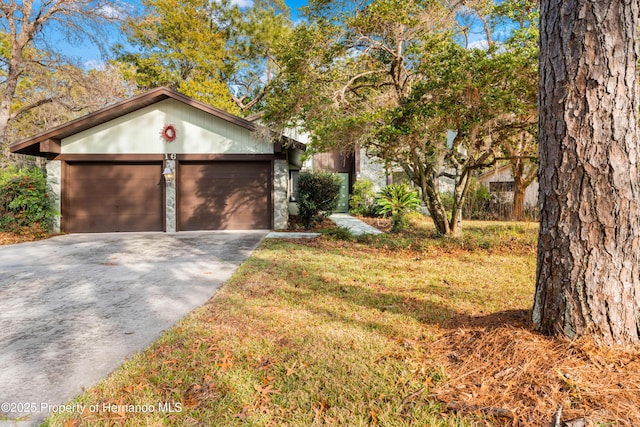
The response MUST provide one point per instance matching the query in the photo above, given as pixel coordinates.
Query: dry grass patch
(25, 234)
(390, 330)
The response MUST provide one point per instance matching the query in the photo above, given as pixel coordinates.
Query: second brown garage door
(224, 195)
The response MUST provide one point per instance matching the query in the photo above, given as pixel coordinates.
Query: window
(293, 185)
(502, 186)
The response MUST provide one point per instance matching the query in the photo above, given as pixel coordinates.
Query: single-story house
(499, 181)
(162, 161)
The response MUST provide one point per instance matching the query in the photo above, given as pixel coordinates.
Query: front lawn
(385, 330)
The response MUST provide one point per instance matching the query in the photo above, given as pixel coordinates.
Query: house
(350, 167)
(162, 161)
(499, 181)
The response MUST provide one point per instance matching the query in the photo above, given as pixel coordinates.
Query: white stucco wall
(139, 132)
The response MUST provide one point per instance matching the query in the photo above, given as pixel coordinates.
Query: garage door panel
(104, 197)
(224, 195)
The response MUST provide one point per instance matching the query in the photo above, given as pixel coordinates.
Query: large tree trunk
(588, 274)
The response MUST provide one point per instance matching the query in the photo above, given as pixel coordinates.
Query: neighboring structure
(500, 183)
(162, 161)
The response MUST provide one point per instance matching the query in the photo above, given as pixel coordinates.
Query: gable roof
(49, 140)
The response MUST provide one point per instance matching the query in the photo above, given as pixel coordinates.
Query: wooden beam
(50, 146)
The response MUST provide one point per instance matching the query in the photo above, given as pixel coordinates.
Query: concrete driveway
(74, 307)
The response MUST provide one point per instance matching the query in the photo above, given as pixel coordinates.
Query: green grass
(325, 332)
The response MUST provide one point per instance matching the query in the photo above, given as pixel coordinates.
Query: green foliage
(398, 200)
(363, 200)
(338, 233)
(211, 51)
(392, 77)
(318, 194)
(178, 46)
(476, 204)
(24, 201)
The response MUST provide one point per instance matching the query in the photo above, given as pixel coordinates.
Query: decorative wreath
(169, 133)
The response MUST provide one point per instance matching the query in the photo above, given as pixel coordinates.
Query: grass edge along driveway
(389, 330)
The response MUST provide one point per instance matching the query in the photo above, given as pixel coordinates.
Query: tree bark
(519, 193)
(588, 278)
(520, 183)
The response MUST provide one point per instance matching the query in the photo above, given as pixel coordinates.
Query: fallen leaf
(374, 418)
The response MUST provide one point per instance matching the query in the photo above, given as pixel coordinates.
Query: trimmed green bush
(24, 202)
(318, 194)
(398, 200)
(363, 200)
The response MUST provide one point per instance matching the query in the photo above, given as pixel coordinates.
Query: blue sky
(90, 57)
(294, 5)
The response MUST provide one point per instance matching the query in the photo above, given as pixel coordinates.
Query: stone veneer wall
(54, 181)
(170, 199)
(372, 169)
(280, 194)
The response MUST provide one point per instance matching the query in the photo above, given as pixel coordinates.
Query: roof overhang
(49, 142)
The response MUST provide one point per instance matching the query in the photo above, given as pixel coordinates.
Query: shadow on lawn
(520, 319)
(315, 293)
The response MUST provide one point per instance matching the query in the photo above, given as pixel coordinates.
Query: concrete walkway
(74, 307)
(290, 235)
(354, 225)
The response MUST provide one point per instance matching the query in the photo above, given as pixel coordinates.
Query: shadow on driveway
(73, 308)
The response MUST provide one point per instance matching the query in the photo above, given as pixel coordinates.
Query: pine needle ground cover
(391, 330)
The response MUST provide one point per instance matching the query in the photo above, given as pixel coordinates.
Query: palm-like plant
(397, 200)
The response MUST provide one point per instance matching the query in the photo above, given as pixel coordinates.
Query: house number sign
(170, 156)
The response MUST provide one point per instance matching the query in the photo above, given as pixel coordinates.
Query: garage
(220, 195)
(162, 161)
(110, 196)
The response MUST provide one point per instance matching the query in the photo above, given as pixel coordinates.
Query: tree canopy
(34, 73)
(210, 50)
(391, 77)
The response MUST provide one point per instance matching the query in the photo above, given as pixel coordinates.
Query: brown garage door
(224, 195)
(106, 196)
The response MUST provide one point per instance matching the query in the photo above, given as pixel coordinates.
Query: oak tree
(390, 77)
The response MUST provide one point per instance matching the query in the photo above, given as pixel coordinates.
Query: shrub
(24, 202)
(318, 194)
(363, 200)
(338, 233)
(397, 200)
(476, 204)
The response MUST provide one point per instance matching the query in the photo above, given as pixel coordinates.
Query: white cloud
(479, 44)
(113, 10)
(242, 3)
(95, 64)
